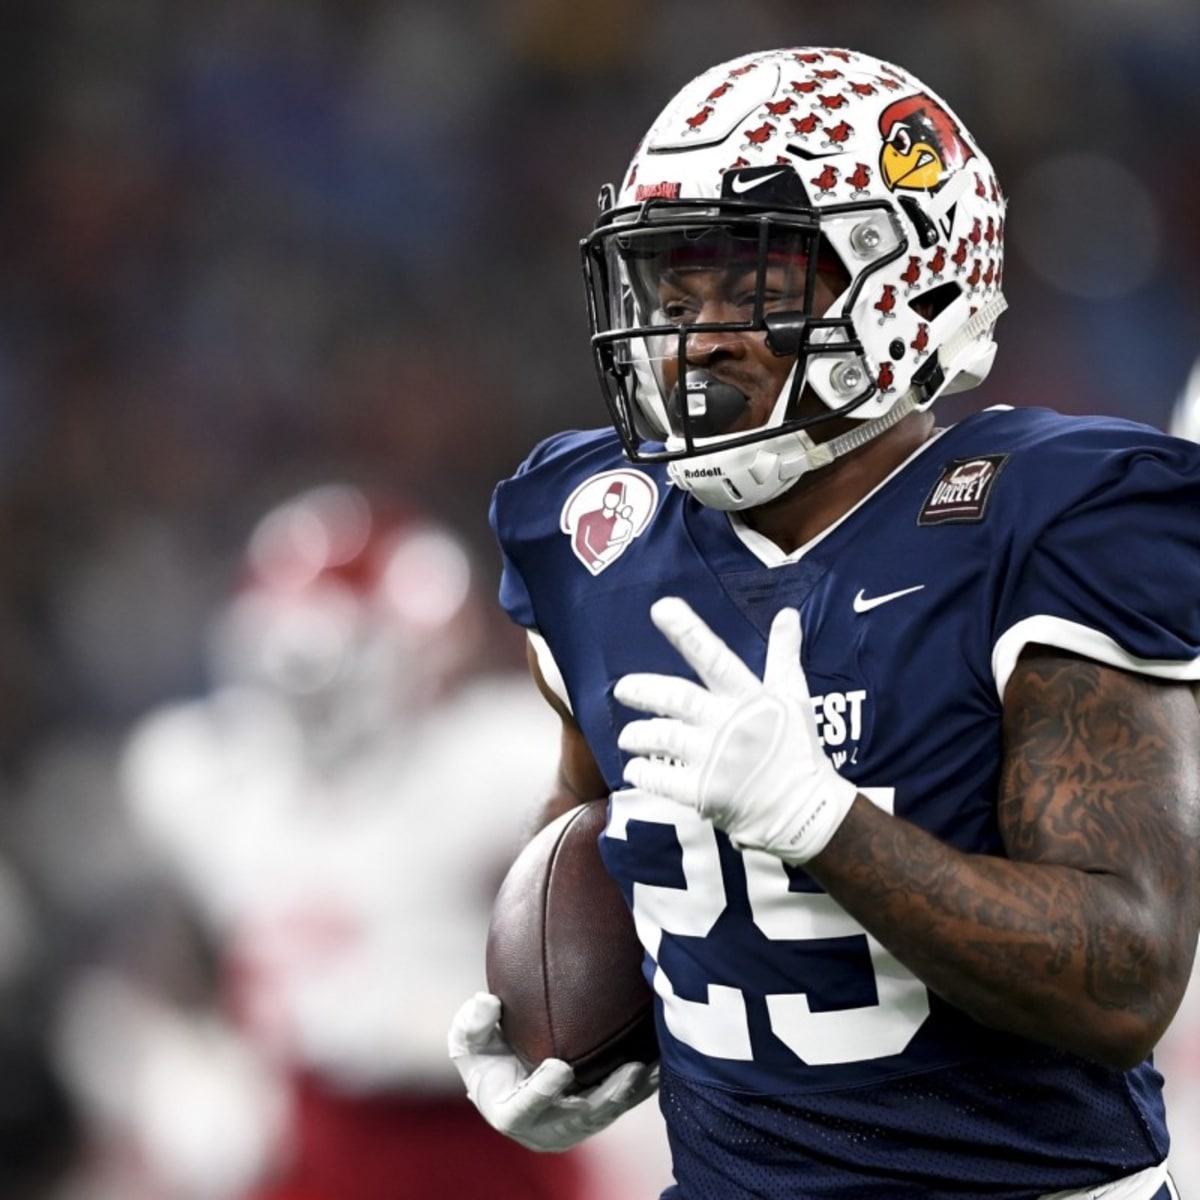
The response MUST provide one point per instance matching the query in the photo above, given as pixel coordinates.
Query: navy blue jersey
(800, 1059)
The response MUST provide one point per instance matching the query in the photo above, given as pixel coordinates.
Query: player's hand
(742, 751)
(536, 1108)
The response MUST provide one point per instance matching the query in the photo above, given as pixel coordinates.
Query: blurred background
(255, 245)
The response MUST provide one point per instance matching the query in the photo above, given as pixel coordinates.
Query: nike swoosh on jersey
(740, 185)
(864, 604)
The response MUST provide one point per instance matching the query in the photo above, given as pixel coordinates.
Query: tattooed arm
(1084, 936)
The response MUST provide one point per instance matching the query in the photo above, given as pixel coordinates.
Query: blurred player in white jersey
(341, 809)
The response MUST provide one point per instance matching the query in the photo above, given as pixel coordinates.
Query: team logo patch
(604, 514)
(962, 491)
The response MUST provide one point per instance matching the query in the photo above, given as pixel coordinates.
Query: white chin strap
(738, 477)
(745, 476)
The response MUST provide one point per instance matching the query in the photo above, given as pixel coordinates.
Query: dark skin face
(743, 359)
(702, 296)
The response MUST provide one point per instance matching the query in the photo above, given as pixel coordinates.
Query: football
(563, 956)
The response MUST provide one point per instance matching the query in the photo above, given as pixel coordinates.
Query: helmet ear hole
(931, 304)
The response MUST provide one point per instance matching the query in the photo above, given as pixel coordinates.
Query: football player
(895, 719)
(341, 849)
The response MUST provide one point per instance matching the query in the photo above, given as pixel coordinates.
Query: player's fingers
(620, 1087)
(475, 1027)
(535, 1093)
(668, 780)
(718, 667)
(664, 695)
(664, 737)
(783, 668)
(647, 1085)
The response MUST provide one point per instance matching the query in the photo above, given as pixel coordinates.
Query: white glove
(741, 751)
(536, 1108)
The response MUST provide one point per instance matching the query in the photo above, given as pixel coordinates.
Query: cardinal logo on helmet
(922, 145)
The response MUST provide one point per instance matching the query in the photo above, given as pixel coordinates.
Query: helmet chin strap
(747, 476)
(743, 477)
(806, 455)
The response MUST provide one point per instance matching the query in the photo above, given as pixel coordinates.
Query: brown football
(563, 956)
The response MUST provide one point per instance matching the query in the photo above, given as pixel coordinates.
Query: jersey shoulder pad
(562, 450)
(1052, 462)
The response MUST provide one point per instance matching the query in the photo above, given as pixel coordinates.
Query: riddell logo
(703, 473)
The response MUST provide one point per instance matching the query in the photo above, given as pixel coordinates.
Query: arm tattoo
(1096, 779)
(1084, 933)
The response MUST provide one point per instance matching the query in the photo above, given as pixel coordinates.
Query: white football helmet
(809, 156)
(352, 612)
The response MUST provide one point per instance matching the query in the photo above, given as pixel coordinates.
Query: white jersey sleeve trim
(549, 668)
(1080, 639)
(1142, 1185)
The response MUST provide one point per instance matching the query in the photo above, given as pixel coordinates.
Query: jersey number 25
(718, 1026)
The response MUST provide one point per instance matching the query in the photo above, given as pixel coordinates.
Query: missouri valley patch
(962, 491)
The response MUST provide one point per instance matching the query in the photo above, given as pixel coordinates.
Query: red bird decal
(827, 179)
(859, 179)
(806, 125)
(886, 303)
(836, 135)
